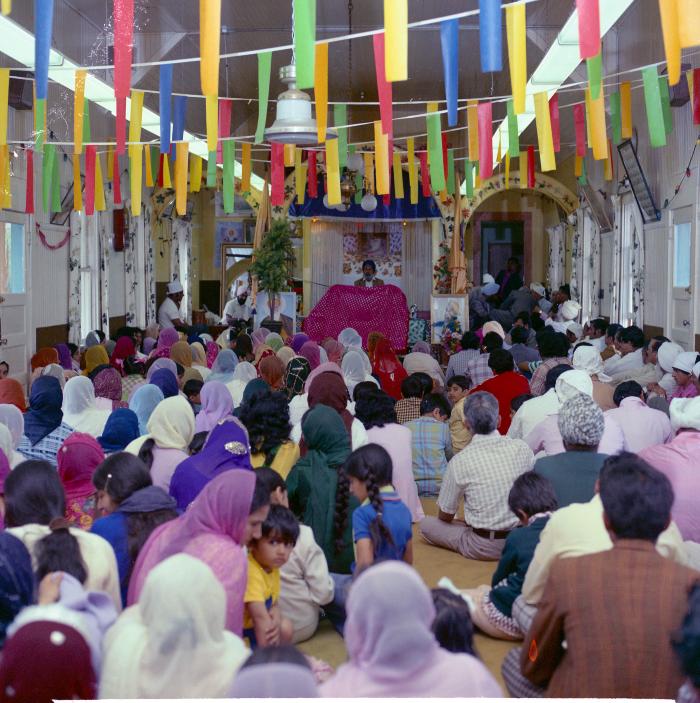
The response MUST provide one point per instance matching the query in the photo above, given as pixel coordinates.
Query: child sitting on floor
(263, 624)
(305, 582)
(452, 627)
(532, 500)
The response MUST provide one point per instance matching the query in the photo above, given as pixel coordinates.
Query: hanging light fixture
(294, 123)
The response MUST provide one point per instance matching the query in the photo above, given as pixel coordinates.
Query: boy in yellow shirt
(263, 624)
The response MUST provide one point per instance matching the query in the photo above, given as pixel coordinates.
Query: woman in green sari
(319, 490)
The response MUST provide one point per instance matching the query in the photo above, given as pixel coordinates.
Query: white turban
(545, 305)
(575, 329)
(696, 370)
(570, 310)
(490, 289)
(488, 278)
(588, 359)
(570, 383)
(667, 354)
(537, 288)
(685, 414)
(686, 361)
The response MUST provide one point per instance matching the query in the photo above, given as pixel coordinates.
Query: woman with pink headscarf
(221, 520)
(167, 338)
(312, 353)
(391, 648)
(333, 349)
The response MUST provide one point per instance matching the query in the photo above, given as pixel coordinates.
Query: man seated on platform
(169, 314)
(369, 276)
(237, 308)
(483, 473)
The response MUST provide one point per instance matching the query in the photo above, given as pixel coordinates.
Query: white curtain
(149, 266)
(104, 233)
(589, 281)
(417, 272)
(557, 249)
(615, 288)
(131, 279)
(74, 328)
(327, 256)
(638, 265)
(577, 258)
(181, 261)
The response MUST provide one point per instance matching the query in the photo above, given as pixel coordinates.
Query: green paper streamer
(55, 186)
(655, 111)
(513, 135)
(46, 174)
(211, 169)
(595, 74)
(229, 149)
(264, 66)
(305, 42)
(616, 118)
(437, 167)
(39, 109)
(155, 162)
(340, 116)
(359, 181)
(666, 104)
(451, 171)
(583, 178)
(87, 132)
(469, 178)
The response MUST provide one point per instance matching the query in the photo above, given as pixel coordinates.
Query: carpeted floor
(432, 563)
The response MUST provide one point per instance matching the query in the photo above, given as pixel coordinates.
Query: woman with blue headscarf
(122, 427)
(166, 380)
(223, 371)
(144, 402)
(16, 580)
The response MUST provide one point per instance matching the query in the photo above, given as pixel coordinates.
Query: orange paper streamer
(209, 47)
(136, 175)
(182, 152)
(626, 110)
(381, 151)
(78, 107)
(321, 91)
(596, 112)
(100, 204)
(245, 158)
(77, 185)
(398, 176)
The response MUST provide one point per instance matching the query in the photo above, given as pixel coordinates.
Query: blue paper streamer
(179, 110)
(43, 24)
(449, 39)
(164, 101)
(491, 35)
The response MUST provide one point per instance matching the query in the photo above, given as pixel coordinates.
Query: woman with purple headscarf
(217, 404)
(298, 341)
(259, 337)
(166, 339)
(219, 523)
(108, 389)
(226, 448)
(312, 353)
(64, 357)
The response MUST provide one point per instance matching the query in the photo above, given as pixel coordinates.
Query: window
(11, 258)
(682, 251)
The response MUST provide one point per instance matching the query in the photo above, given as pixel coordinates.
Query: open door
(682, 242)
(14, 333)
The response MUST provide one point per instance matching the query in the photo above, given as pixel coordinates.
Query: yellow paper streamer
(299, 180)
(4, 95)
(181, 153)
(596, 113)
(544, 132)
(608, 173)
(396, 40)
(77, 185)
(517, 54)
(135, 116)
(499, 156)
(78, 107)
(507, 178)
(369, 171)
(523, 169)
(473, 127)
(167, 182)
(477, 179)
(212, 108)
(398, 176)
(668, 9)
(100, 204)
(381, 155)
(321, 91)
(578, 166)
(688, 23)
(149, 167)
(209, 47)
(304, 175)
(333, 171)
(195, 173)
(6, 7)
(626, 110)
(412, 170)
(136, 176)
(691, 86)
(245, 158)
(289, 155)
(6, 201)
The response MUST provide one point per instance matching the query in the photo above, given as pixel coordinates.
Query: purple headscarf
(312, 353)
(298, 341)
(148, 345)
(217, 404)
(159, 364)
(64, 357)
(259, 336)
(226, 448)
(108, 384)
(421, 346)
(166, 380)
(166, 339)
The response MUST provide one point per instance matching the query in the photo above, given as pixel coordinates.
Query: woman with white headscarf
(588, 359)
(666, 355)
(224, 371)
(546, 436)
(245, 372)
(421, 360)
(12, 418)
(356, 368)
(350, 339)
(80, 409)
(173, 642)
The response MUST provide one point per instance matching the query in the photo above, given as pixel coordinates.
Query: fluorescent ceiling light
(18, 43)
(556, 66)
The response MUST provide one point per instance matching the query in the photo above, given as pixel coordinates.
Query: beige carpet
(432, 563)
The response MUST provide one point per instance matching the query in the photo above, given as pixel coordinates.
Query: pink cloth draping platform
(379, 309)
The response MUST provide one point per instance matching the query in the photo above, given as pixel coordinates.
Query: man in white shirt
(595, 331)
(630, 344)
(237, 309)
(169, 310)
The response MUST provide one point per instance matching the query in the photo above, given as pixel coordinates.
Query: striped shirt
(457, 365)
(478, 370)
(47, 447)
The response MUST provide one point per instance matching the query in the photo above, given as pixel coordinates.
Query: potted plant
(272, 263)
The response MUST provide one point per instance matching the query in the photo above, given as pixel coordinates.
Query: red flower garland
(52, 247)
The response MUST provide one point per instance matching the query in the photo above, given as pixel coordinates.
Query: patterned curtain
(104, 237)
(181, 261)
(576, 258)
(615, 279)
(594, 271)
(416, 252)
(149, 273)
(557, 251)
(638, 266)
(74, 331)
(131, 282)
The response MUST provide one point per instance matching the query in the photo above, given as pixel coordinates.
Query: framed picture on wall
(449, 317)
(285, 311)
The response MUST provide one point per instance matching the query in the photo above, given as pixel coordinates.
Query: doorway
(499, 242)
(682, 264)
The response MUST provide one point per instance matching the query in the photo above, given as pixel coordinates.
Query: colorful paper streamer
(588, 28)
(195, 173)
(148, 166)
(245, 164)
(90, 154)
(424, 173)
(100, 203)
(666, 103)
(29, 189)
(304, 42)
(165, 90)
(289, 151)
(211, 170)
(485, 118)
(276, 174)
(435, 157)
(513, 133)
(490, 35)
(43, 25)
(449, 41)
(473, 129)
(531, 167)
(384, 89)
(615, 118)
(87, 131)
(554, 118)
(299, 179)
(506, 180)
(116, 178)
(225, 109)
(668, 9)
(412, 171)
(544, 132)
(312, 174)
(4, 94)
(596, 114)
(181, 172)
(229, 154)
(608, 170)
(321, 91)
(594, 67)
(333, 168)
(469, 178)
(340, 117)
(78, 105)
(264, 67)
(396, 45)
(688, 23)
(135, 118)
(123, 46)
(578, 165)
(209, 46)
(46, 175)
(398, 176)
(179, 112)
(136, 178)
(450, 172)
(381, 151)
(626, 109)
(167, 181)
(655, 113)
(696, 96)
(6, 7)
(212, 120)
(517, 54)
